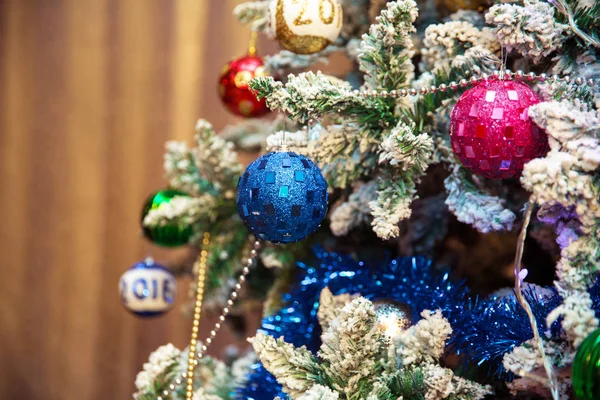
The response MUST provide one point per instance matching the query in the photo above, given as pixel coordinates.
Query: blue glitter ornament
(148, 289)
(409, 280)
(282, 197)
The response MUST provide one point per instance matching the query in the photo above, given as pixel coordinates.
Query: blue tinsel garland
(497, 325)
(410, 281)
(484, 330)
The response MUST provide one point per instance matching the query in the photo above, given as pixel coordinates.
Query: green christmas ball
(170, 234)
(586, 368)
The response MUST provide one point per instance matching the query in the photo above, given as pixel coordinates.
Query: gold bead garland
(187, 377)
(189, 389)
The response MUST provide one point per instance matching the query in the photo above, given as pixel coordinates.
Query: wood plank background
(89, 92)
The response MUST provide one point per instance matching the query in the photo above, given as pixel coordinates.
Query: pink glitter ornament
(491, 132)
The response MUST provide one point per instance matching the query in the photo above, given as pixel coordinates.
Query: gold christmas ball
(306, 26)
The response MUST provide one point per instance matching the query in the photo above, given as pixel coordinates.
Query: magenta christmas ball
(491, 132)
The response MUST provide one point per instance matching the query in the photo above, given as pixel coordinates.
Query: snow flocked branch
(213, 379)
(471, 206)
(387, 49)
(568, 176)
(358, 360)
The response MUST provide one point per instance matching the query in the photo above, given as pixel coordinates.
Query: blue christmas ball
(148, 289)
(282, 197)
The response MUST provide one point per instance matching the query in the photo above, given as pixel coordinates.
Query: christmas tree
(426, 226)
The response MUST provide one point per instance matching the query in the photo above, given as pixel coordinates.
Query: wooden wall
(89, 92)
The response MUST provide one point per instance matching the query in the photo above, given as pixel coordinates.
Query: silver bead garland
(206, 343)
(443, 87)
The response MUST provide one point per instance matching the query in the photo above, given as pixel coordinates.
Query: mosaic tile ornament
(282, 197)
(148, 289)
(234, 90)
(170, 234)
(491, 132)
(306, 26)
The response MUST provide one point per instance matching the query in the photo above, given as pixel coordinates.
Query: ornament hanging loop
(252, 44)
(284, 146)
(503, 61)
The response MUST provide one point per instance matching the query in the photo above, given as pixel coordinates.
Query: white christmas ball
(306, 26)
(148, 289)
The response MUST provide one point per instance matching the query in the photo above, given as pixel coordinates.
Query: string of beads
(193, 361)
(532, 76)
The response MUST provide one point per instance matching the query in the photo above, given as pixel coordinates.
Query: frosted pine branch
(354, 212)
(319, 392)
(471, 206)
(249, 134)
(425, 341)
(346, 153)
(295, 368)
(565, 175)
(458, 44)
(185, 210)
(159, 362)
(441, 383)
(351, 348)
(181, 171)
(531, 29)
(579, 319)
(403, 148)
(201, 394)
(330, 306)
(386, 50)
(216, 160)
(309, 96)
(394, 196)
(255, 14)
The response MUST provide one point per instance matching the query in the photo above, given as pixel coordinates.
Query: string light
(519, 277)
(391, 321)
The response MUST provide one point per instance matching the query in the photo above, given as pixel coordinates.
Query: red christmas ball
(491, 132)
(234, 90)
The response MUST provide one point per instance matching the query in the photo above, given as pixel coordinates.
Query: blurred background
(89, 92)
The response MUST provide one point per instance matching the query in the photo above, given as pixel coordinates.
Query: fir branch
(216, 160)
(585, 18)
(588, 19)
(396, 193)
(455, 43)
(530, 30)
(184, 211)
(386, 50)
(346, 153)
(472, 206)
(296, 369)
(408, 383)
(405, 149)
(311, 96)
(181, 171)
(253, 13)
(351, 350)
(225, 251)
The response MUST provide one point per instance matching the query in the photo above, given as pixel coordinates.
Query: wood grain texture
(89, 92)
